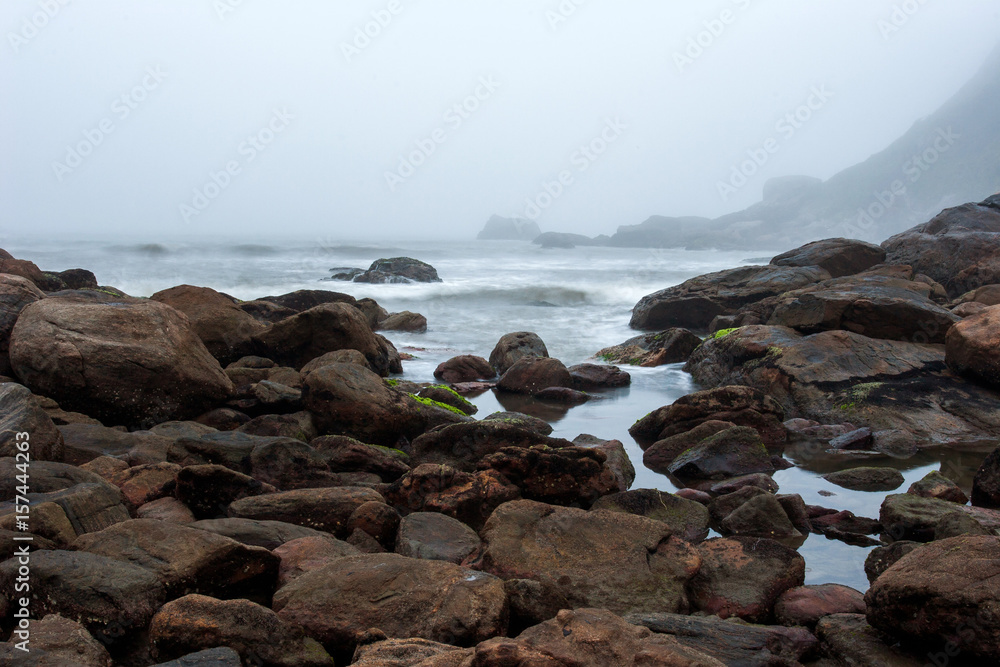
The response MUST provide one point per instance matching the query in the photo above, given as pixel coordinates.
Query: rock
(573, 476)
(306, 299)
(379, 521)
(956, 524)
(182, 429)
(15, 293)
(696, 302)
(214, 657)
(839, 257)
(723, 506)
(835, 376)
(145, 483)
(109, 597)
(196, 622)
(337, 357)
(936, 485)
(448, 396)
(735, 451)
(267, 534)
(760, 480)
(948, 590)
(514, 346)
(530, 375)
(867, 479)
(403, 652)
(345, 454)
(956, 248)
(562, 396)
(434, 536)
(761, 516)
(122, 363)
(986, 484)
(88, 507)
(687, 519)
(28, 270)
(661, 454)
(187, 560)
(871, 305)
(732, 643)
(590, 377)
(374, 313)
(57, 642)
(851, 641)
(169, 510)
(617, 458)
(349, 400)
(909, 517)
(223, 419)
(225, 328)
(48, 521)
(672, 346)
(739, 405)
(973, 347)
(299, 339)
(806, 605)
(20, 413)
(469, 497)
(399, 270)
(562, 240)
(881, 559)
(208, 490)
(610, 560)
(297, 426)
(289, 464)
(522, 420)
(588, 638)
(509, 229)
(465, 368)
(847, 527)
(968, 309)
(403, 597)
(744, 577)
(322, 509)
(463, 446)
(861, 439)
(796, 511)
(306, 554)
(404, 321)
(274, 398)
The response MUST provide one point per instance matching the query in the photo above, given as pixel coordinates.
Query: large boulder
(947, 591)
(986, 484)
(29, 270)
(958, 248)
(573, 476)
(850, 640)
(306, 554)
(743, 406)
(661, 454)
(610, 560)
(672, 346)
(837, 376)
(463, 446)
(514, 346)
(973, 347)
(26, 428)
(267, 534)
(197, 622)
(464, 368)
(322, 509)
(123, 363)
(344, 454)
(402, 597)
(905, 516)
(299, 339)
(744, 577)
(56, 642)
(399, 270)
(188, 560)
(404, 321)
(111, 598)
(531, 375)
(876, 306)
(435, 536)
(806, 605)
(840, 257)
(346, 399)
(225, 328)
(730, 453)
(686, 518)
(696, 302)
(15, 293)
(306, 299)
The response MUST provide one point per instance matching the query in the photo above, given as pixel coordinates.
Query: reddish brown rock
(806, 605)
(465, 368)
(973, 347)
(322, 509)
(572, 476)
(530, 375)
(306, 554)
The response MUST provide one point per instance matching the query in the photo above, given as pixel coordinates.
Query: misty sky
(116, 112)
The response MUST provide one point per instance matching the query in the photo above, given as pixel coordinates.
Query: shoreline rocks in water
(402, 270)
(239, 482)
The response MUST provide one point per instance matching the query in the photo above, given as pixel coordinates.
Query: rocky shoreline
(217, 482)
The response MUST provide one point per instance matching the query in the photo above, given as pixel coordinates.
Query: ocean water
(577, 300)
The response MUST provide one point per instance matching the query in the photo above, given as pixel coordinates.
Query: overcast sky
(188, 117)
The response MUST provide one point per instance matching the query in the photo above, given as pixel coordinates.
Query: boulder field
(225, 483)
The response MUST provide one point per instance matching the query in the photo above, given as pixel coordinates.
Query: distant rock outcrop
(561, 240)
(395, 270)
(509, 229)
